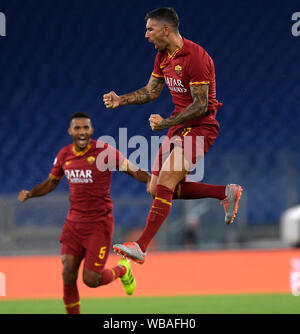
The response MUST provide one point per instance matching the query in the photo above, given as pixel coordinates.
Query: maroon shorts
(195, 141)
(91, 241)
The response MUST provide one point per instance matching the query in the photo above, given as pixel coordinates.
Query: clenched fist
(157, 122)
(23, 195)
(111, 100)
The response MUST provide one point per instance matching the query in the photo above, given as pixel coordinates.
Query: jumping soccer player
(189, 73)
(88, 229)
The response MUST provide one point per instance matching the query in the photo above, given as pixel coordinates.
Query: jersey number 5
(102, 252)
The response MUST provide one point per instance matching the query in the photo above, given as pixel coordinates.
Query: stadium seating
(61, 56)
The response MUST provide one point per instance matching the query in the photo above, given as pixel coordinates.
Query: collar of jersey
(81, 152)
(172, 55)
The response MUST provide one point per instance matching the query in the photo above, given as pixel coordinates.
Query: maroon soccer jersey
(89, 177)
(189, 66)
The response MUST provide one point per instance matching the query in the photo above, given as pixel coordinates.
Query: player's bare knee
(69, 274)
(166, 179)
(152, 187)
(170, 179)
(90, 282)
(91, 279)
(70, 268)
(152, 190)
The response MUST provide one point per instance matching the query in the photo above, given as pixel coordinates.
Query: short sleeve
(200, 69)
(57, 171)
(157, 72)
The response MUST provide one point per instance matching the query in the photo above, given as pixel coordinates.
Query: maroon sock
(109, 275)
(71, 299)
(195, 190)
(159, 211)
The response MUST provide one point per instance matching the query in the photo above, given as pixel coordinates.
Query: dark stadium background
(59, 57)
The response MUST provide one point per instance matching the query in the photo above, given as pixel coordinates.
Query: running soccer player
(87, 232)
(189, 73)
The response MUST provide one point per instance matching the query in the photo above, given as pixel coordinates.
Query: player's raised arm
(143, 95)
(40, 190)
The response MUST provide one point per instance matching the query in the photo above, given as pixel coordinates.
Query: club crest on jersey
(91, 160)
(178, 69)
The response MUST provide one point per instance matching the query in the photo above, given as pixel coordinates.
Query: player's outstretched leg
(231, 202)
(127, 279)
(131, 250)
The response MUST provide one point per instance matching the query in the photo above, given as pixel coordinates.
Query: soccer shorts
(91, 241)
(195, 142)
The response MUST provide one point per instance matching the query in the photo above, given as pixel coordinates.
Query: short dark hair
(80, 115)
(167, 14)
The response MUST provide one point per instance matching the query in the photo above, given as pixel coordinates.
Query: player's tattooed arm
(143, 95)
(40, 190)
(194, 110)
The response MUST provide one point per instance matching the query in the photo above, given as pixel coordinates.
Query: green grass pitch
(221, 304)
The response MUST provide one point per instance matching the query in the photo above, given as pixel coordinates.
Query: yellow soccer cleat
(127, 279)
